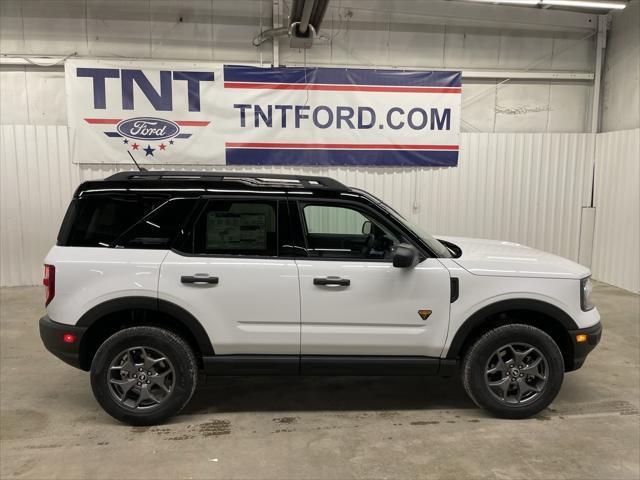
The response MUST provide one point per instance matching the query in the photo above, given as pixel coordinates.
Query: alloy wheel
(516, 373)
(141, 378)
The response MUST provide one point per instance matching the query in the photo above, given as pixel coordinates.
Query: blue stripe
(112, 134)
(183, 135)
(342, 76)
(379, 158)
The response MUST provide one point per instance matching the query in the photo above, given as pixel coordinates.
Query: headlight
(585, 293)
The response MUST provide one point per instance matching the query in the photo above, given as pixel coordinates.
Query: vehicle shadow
(240, 394)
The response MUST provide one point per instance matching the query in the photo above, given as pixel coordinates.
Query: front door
(230, 273)
(353, 300)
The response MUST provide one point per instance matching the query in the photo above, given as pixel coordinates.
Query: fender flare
(481, 315)
(181, 315)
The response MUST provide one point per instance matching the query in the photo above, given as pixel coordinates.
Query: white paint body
(89, 276)
(377, 314)
(255, 307)
(271, 306)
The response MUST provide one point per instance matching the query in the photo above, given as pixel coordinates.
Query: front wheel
(513, 371)
(143, 375)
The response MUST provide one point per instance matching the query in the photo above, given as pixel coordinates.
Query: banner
(195, 113)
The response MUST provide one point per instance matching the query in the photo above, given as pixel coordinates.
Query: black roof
(257, 179)
(219, 180)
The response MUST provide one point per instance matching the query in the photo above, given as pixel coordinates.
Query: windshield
(436, 246)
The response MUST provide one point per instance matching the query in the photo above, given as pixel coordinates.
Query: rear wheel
(143, 375)
(513, 371)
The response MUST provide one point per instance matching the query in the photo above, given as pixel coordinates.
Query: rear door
(232, 272)
(353, 300)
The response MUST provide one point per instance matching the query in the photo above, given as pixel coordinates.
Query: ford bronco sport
(160, 276)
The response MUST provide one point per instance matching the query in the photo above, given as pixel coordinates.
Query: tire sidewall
(174, 348)
(475, 365)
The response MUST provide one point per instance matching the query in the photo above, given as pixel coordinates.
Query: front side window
(236, 227)
(337, 231)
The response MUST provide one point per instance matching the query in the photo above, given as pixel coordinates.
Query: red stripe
(341, 88)
(354, 146)
(102, 120)
(182, 123)
(192, 123)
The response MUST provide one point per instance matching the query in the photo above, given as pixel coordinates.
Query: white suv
(157, 276)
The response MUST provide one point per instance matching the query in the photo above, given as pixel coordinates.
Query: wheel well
(105, 326)
(544, 322)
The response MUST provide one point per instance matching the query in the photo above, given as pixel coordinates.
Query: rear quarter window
(98, 220)
(158, 229)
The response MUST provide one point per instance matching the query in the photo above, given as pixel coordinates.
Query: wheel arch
(106, 318)
(545, 316)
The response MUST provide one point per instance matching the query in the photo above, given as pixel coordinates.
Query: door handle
(343, 282)
(199, 279)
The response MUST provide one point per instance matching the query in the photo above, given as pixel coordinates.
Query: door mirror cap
(405, 256)
(366, 228)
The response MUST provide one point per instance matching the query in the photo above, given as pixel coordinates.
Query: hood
(508, 259)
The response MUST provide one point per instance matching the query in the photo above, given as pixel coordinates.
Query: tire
(496, 386)
(143, 375)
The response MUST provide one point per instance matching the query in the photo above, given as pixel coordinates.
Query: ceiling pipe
(306, 19)
(269, 34)
(306, 15)
(319, 10)
(304, 22)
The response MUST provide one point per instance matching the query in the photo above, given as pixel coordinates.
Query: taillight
(49, 282)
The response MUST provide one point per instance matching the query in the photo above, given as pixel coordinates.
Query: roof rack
(254, 179)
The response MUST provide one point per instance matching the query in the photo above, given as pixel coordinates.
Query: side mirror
(405, 256)
(367, 227)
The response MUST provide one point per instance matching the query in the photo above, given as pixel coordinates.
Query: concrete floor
(51, 427)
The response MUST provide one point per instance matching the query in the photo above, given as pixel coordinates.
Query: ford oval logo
(148, 128)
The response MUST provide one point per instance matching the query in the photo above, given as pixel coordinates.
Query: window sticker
(236, 231)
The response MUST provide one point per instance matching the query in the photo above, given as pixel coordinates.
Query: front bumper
(53, 334)
(582, 349)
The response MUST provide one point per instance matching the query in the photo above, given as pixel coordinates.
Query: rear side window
(235, 227)
(98, 220)
(158, 229)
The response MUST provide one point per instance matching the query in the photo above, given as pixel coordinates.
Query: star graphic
(125, 141)
(134, 146)
(162, 146)
(149, 150)
(170, 142)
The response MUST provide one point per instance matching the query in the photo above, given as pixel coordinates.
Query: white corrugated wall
(616, 247)
(527, 188)
(36, 182)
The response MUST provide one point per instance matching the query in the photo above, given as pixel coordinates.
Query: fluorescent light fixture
(508, 2)
(586, 4)
(560, 3)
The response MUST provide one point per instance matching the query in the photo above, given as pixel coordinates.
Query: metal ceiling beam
(54, 61)
(601, 45)
(277, 23)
